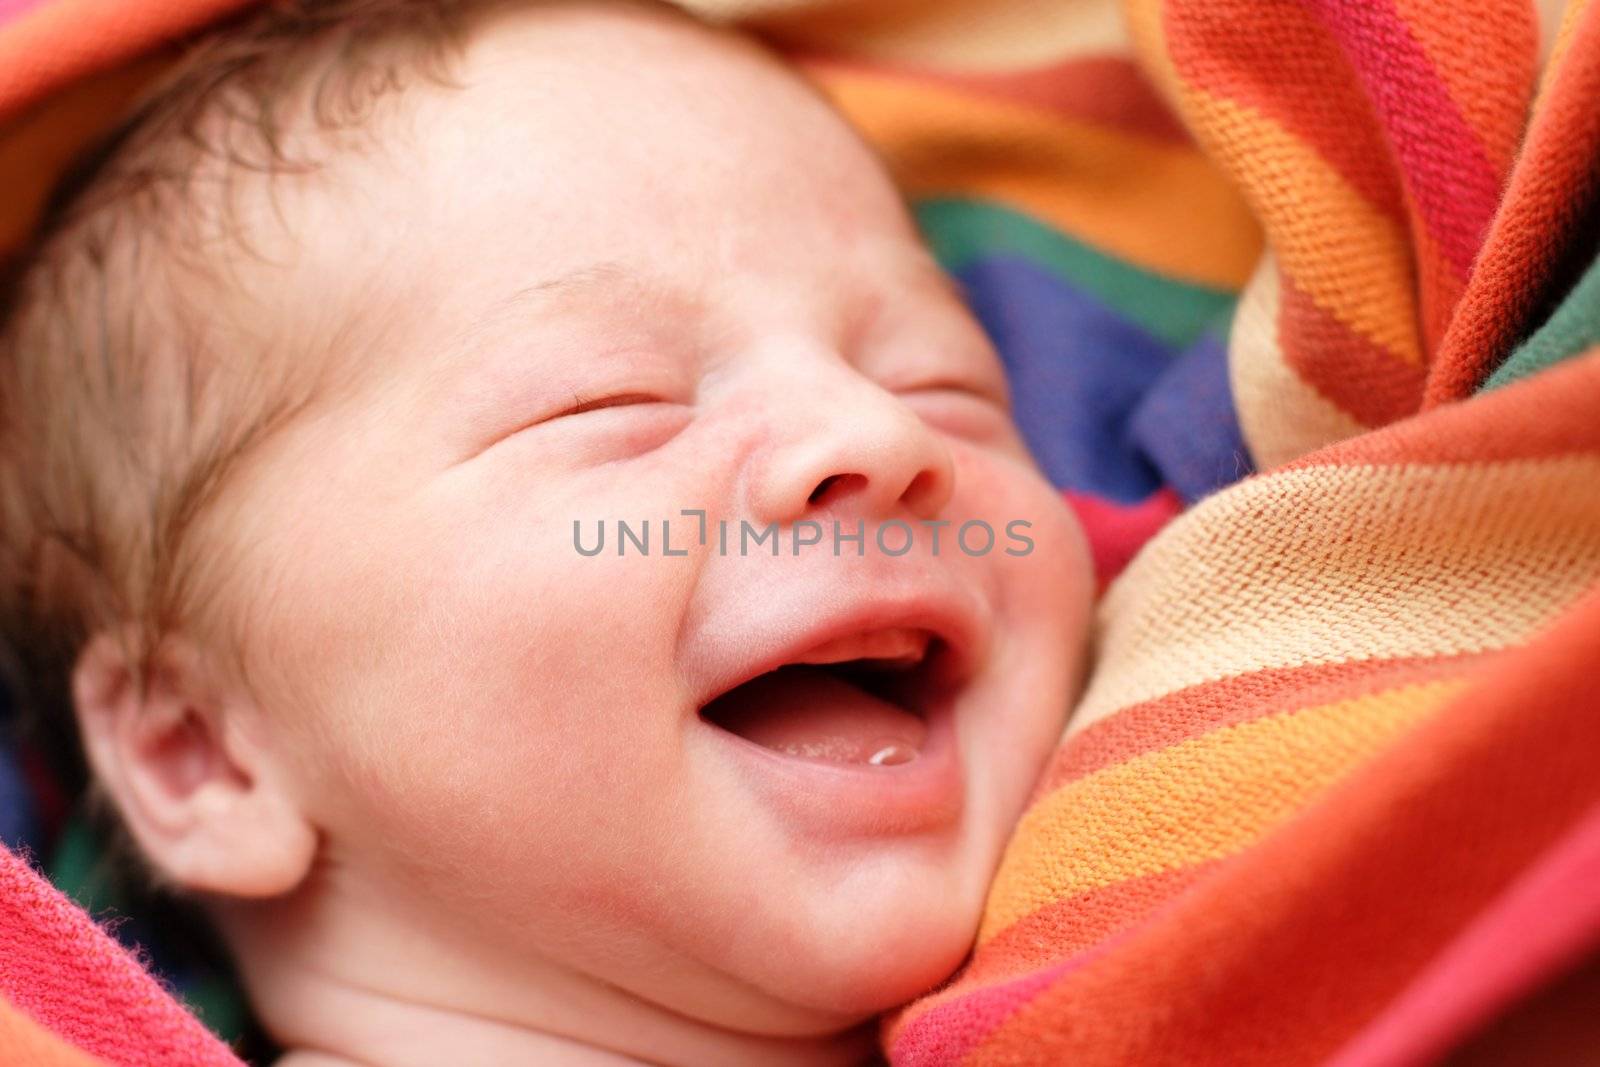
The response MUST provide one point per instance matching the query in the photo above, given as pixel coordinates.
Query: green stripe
(962, 230)
(79, 868)
(1574, 328)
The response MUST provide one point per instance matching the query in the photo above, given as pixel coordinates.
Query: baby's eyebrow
(622, 291)
(616, 301)
(570, 286)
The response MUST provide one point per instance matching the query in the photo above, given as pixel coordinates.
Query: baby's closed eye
(581, 404)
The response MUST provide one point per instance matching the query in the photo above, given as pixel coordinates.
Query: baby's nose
(850, 445)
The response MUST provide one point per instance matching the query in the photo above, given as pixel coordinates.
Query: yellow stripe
(1154, 204)
(1336, 564)
(1198, 800)
(1570, 17)
(989, 35)
(1352, 260)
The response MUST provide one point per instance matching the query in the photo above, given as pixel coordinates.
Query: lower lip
(841, 800)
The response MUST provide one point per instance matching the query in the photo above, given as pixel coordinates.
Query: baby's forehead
(560, 160)
(541, 166)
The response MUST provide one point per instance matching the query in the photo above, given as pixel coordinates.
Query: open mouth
(860, 699)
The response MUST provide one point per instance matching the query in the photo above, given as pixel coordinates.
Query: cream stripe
(1334, 564)
(1281, 416)
(1143, 18)
(1198, 800)
(1553, 47)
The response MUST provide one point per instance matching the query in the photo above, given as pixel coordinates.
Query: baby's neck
(330, 1000)
(355, 1028)
(396, 1034)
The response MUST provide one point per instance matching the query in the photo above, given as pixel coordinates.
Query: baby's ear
(186, 764)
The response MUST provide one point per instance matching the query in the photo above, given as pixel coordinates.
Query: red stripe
(1450, 179)
(1360, 378)
(1545, 211)
(1549, 414)
(1065, 928)
(1546, 924)
(941, 1033)
(1266, 70)
(1201, 709)
(70, 39)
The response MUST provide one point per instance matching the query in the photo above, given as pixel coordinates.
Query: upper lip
(951, 620)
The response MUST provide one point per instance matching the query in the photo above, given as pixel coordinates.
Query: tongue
(805, 711)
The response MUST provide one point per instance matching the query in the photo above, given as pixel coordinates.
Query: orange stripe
(1263, 72)
(1346, 253)
(1192, 802)
(1108, 91)
(1537, 223)
(1157, 205)
(1057, 932)
(1280, 415)
(1439, 285)
(1200, 709)
(1483, 53)
(1571, 15)
(1067, 927)
(1146, 30)
(1546, 415)
(973, 35)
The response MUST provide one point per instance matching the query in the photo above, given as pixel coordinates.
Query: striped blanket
(1331, 792)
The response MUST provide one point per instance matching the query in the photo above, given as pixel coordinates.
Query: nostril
(927, 491)
(833, 484)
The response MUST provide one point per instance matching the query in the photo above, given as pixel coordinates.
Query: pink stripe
(1448, 173)
(10, 9)
(62, 970)
(1541, 926)
(1116, 531)
(946, 1033)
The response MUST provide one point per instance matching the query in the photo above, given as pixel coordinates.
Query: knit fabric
(1331, 790)
(1336, 755)
(60, 969)
(24, 1041)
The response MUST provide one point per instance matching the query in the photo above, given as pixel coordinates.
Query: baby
(318, 397)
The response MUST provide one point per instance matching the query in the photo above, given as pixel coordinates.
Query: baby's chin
(886, 937)
(881, 973)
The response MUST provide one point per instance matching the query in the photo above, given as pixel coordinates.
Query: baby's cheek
(1042, 587)
(526, 813)
(1038, 562)
(1047, 596)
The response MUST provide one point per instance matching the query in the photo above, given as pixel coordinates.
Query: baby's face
(622, 270)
